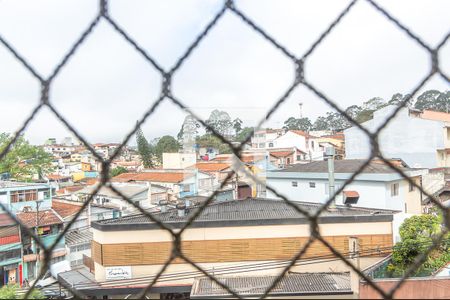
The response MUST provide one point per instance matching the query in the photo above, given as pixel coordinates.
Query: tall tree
(434, 100)
(237, 125)
(244, 133)
(336, 121)
(117, 171)
(145, 149)
(220, 121)
(23, 160)
(166, 144)
(298, 124)
(321, 123)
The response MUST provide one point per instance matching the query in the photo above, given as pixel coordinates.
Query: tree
(298, 124)
(23, 160)
(10, 292)
(321, 123)
(336, 121)
(416, 235)
(166, 144)
(237, 125)
(117, 171)
(220, 121)
(212, 141)
(434, 100)
(244, 133)
(144, 148)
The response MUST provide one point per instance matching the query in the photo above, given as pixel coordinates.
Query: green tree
(336, 121)
(434, 100)
(210, 140)
(244, 133)
(145, 149)
(416, 235)
(166, 144)
(298, 124)
(23, 160)
(321, 123)
(117, 171)
(10, 292)
(220, 121)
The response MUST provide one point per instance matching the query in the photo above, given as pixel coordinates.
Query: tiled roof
(46, 218)
(341, 166)
(211, 167)
(293, 284)
(6, 220)
(69, 189)
(173, 177)
(65, 209)
(56, 177)
(281, 153)
(435, 115)
(351, 194)
(301, 132)
(247, 210)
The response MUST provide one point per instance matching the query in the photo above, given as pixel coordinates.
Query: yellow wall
(77, 176)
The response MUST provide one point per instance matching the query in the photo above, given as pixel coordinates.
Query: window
(412, 188)
(312, 185)
(288, 161)
(294, 183)
(186, 188)
(299, 157)
(394, 189)
(270, 144)
(261, 145)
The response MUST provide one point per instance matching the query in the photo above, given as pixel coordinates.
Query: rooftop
(78, 236)
(65, 209)
(127, 189)
(155, 176)
(211, 167)
(17, 184)
(45, 218)
(248, 212)
(294, 284)
(343, 166)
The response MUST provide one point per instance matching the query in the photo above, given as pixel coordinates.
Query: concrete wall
(412, 139)
(290, 139)
(373, 194)
(178, 160)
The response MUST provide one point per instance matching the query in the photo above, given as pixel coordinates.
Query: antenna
(300, 104)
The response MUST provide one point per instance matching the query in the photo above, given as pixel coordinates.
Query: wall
(290, 139)
(373, 194)
(291, 232)
(412, 139)
(178, 160)
(417, 288)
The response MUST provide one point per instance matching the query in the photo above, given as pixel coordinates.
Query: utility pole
(38, 254)
(329, 154)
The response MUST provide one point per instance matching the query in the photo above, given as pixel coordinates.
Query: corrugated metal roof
(248, 209)
(80, 236)
(291, 284)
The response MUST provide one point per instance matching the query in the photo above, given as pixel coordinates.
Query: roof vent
(181, 208)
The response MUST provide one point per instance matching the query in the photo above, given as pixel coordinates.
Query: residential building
(16, 196)
(11, 267)
(48, 225)
(78, 244)
(232, 235)
(263, 139)
(178, 160)
(377, 186)
(420, 138)
(181, 183)
(146, 195)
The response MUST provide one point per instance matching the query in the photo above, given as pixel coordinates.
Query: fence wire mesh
(167, 94)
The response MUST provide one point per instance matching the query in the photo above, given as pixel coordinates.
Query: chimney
(181, 208)
(163, 204)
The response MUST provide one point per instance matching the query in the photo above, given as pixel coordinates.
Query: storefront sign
(118, 273)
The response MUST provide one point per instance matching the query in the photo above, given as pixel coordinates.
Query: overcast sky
(107, 85)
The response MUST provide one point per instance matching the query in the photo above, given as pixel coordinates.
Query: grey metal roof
(128, 189)
(342, 166)
(78, 236)
(17, 184)
(294, 284)
(255, 211)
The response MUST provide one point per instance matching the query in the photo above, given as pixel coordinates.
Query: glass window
(412, 188)
(294, 183)
(394, 189)
(312, 184)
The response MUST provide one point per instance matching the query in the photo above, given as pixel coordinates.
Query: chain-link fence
(166, 94)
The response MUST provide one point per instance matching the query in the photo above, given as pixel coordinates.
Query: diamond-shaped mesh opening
(168, 94)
